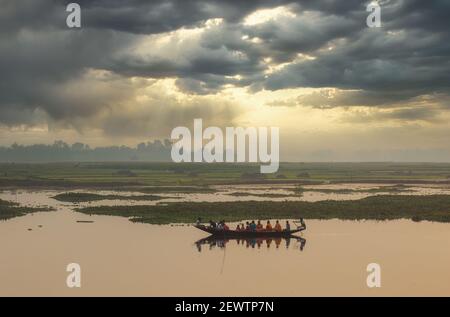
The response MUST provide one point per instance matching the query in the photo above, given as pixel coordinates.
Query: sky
(337, 89)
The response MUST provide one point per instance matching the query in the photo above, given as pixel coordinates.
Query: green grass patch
(382, 189)
(176, 189)
(383, 207)
(89, 197)
(10, 210)
(263, 195)
(127, 174)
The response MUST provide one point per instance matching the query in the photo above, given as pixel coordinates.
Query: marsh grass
(89, 197)
(381, 189)
(10, 210)
(262, 195)
(383, 207)
(176, 189)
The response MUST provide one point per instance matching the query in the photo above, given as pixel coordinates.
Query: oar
(223, 259)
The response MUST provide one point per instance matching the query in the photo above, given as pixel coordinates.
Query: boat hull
(247, 234)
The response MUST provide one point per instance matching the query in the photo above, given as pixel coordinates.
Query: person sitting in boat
(277, 226)
(221, 225)
(253, 226)
(288, 226)
(269, 226)
(225, 227)
(238, 227)
(259, 226)
(212, 224)
(247, 226)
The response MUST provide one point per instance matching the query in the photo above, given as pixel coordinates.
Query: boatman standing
(288, 226)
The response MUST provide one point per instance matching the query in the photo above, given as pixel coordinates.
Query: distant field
(170, 174)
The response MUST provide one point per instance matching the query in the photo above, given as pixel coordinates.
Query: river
(118, 257)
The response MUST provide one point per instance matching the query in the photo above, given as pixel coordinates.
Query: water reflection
(212, 242)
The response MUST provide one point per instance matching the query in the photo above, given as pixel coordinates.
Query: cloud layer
(137, 68)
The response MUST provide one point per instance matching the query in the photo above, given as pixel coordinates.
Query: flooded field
(230, 193)
(118, 257)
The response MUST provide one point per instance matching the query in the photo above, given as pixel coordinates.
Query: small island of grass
(10, 210)
(383, 207)
(90, 197)
(400, 188)
(262, 195)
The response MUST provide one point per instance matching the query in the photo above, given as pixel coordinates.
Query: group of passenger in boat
(251, 226)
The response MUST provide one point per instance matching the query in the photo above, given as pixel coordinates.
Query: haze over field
(338, 90)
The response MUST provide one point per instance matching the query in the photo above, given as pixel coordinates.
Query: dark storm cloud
(130, 16)
(143, 16)
(45, 70)
(42, 61)
(407, 57)
(45, 66)
(373, 63)
(426, 15)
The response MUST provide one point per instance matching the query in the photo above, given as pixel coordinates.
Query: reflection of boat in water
(256, 242)
(251, 234)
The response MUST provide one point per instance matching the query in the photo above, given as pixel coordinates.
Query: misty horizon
(159, 151)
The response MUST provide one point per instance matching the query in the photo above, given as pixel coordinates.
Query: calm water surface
(118, 257)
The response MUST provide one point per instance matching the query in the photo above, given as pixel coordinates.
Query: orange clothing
(269, 227)
(277, 227)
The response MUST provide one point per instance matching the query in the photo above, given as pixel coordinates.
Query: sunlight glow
(266, 15)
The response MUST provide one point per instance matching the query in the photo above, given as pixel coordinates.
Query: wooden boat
(213, 239)
(249, 234)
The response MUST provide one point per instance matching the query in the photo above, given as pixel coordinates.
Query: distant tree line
(155, 151)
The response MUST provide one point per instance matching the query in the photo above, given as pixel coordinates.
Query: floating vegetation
(89, 197)
(263, 195)
(381, 189)
(176, 189)
(10, 210)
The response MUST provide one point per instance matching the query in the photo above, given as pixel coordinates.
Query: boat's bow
(204, 228)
